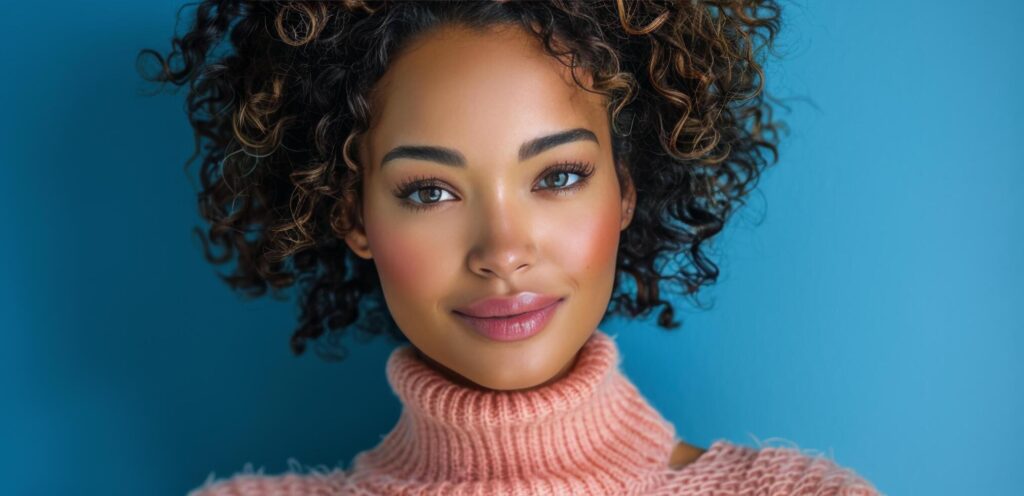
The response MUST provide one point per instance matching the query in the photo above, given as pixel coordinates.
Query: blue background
(867, 308)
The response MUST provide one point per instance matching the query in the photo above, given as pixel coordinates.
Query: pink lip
(525, 316)
(506, 307)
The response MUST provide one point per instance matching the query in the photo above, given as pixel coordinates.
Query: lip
(510, 319)
(507, 306)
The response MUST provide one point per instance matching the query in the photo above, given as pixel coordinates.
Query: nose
(505, 241)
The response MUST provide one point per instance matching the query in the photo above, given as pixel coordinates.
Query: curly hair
(684, 82)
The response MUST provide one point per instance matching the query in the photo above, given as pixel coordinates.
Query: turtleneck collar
(590, 431)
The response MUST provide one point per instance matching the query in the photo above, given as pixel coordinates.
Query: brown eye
(420, 193)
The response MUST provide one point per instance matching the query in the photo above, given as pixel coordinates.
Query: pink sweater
(591, 433)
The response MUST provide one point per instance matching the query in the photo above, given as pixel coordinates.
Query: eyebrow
(450, 157)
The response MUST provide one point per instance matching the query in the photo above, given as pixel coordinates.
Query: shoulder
(777, 469)
(318, 481)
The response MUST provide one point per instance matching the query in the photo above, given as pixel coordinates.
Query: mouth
(513, 327)
(507, 306)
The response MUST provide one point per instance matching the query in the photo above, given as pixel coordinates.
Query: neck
(589, 425)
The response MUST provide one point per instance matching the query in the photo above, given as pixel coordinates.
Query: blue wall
(866, 309)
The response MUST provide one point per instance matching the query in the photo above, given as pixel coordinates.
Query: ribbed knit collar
(590, 432)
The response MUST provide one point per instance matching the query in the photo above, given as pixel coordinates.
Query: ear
(356, 240)
(628, 199)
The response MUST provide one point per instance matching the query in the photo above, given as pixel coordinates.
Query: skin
(496, 226)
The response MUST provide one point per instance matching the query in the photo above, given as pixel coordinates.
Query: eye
(562, 174)
(562, 179)
(425, 192)
(421, 193)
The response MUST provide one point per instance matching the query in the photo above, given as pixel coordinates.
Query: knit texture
(591, 432)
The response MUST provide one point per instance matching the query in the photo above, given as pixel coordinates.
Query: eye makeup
(423, 183)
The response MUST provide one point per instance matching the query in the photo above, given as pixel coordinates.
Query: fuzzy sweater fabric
(589, 433)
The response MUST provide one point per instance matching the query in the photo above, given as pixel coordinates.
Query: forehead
(491, 89)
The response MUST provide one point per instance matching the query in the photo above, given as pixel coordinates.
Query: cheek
(410, 258)
(588, 248)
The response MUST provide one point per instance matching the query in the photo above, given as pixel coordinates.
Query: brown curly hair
(691, 124)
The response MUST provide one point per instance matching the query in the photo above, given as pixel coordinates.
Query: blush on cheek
(400, 259)
(411, 260)
(589, 248)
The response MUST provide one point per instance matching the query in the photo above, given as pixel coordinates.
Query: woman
(480, 175)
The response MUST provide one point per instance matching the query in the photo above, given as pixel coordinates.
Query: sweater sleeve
(777, 470)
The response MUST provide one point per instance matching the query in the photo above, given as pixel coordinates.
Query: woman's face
(492, 220)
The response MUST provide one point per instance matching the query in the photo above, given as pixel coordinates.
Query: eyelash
(415, 184)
